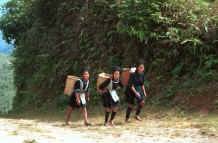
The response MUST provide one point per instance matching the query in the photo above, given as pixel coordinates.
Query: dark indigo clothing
(77, 86)
(137, 81)
(115, 84)
(79, 89)
(106, 97)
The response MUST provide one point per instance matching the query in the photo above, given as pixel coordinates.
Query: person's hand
(138, 95)
(142, 102)
(78, 101)
(145, 94)
(111, 76)
(88, 99)
(103, 91)
(118, 88)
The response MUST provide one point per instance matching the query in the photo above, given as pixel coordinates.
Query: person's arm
(121, 84)
(87, 93)
(143, 88)
(134, 91)
(102, 87)
(131, 84)
(77, 91)
(77, 98)
(87, 96)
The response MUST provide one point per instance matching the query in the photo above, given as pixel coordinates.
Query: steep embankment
(176, 39)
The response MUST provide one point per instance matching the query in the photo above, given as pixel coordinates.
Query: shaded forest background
(177, 39)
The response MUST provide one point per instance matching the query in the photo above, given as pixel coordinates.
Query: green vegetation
(176, 38)
(7, 90)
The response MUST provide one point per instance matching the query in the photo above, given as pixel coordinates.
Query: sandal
(138, 118)
(88, 124)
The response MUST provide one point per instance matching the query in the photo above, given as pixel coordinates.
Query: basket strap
(81, 85)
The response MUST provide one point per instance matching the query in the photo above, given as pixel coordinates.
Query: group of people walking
(134, 92)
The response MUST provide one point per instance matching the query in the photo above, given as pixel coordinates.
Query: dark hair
(85, 70)
(117, 68)
(140, 62)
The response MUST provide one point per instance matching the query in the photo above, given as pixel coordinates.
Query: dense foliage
(53, 39)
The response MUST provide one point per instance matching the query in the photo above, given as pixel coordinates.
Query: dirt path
(148, 131)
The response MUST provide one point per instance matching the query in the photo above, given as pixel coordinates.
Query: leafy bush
(174, 37)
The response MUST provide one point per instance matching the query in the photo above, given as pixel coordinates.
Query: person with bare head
(135, 90)
(109, 95)
(80, 97)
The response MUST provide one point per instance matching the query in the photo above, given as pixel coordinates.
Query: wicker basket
(126, 75)
(69, 86)
(101, 78)
(118, 1)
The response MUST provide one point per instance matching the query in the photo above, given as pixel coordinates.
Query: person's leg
(114, 111)
(130, 100)
(141, 103)
(128, 111)
(69, 111)
(85, 117)
(107, 114)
